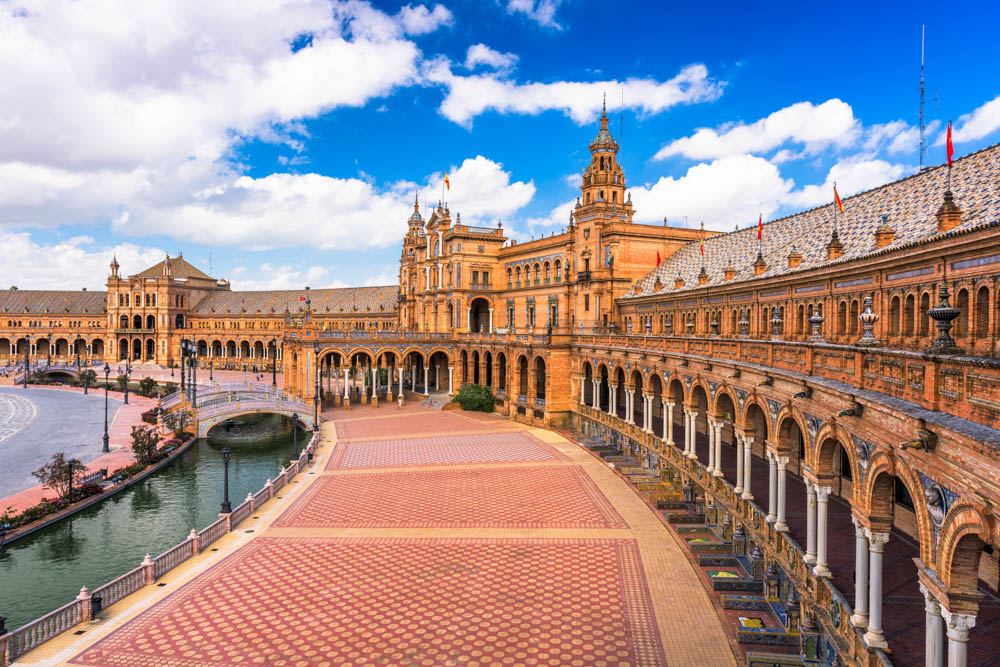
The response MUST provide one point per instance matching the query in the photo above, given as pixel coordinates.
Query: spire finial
(416, 201)
(604, 112)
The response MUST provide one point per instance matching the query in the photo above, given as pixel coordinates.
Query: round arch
(878, 496)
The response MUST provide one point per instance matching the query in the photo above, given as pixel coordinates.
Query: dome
(604, 137)
(415, 216)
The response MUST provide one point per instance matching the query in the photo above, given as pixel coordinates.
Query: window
(531, 315)
(475, 278)
(586, 302)
(486, 278)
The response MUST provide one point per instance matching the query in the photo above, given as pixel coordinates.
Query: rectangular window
(486, 278)
(586, 302)
(475, 278)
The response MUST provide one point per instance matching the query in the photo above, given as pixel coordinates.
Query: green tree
(58, 472)
(13, 288)
(122, 380)
(169, 388)
(144, 443)
(89, 377)
(475, 397)
(177, 421)
(147, 386)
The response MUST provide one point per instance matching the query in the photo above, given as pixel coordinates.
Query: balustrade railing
(39, 631)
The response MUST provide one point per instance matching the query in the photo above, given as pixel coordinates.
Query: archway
(488, 365)
(604, 390)
(479, 315)
(699, 404)
(123, 349)
(501, 372)
(638, 404)
(539, 378)
(725, 412)
(522, 372)
(438, 376)
(475, 367)
(620, 409)
(656, 390)
(150, 349)
(587, 389)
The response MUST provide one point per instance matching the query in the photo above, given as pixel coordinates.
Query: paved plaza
(410, 550)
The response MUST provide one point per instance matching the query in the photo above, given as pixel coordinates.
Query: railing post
(229, 521)
(253, 507)
(194, 543)
(148, 577)
(84, 599)
(3, 649)
(270, 489)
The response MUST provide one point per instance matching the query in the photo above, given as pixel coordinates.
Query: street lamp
(183, 366)
(76, 346)
(316, 394)
(274, 363)
(27, 360)
(107, 371)
(69, 471)
(4, 527)
(295, 435)
(226, 507)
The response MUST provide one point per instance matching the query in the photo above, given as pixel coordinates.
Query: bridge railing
(31, 635)
(251, 403)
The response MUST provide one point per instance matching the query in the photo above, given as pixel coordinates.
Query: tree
(169, 388)
(475, 397)
(177, 421)
(13, 288)
(58, 472)
(144, 442)
(88, 377)
(146, 386)
(122, 381)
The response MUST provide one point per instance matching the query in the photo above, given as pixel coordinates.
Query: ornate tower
(603, 188)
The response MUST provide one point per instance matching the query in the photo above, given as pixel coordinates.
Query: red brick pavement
(391, 601)
(420, 422)
(492, 448)
(538, 497)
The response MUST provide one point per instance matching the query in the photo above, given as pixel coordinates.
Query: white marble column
(668, 423)
(772, 488)
(413, 376)
(647, 413)
(780, 524)
(739, 463)
(629, 412)
(692, 431)
(747, 462)
(400, 382)
(859, 618)
(958, 627)
(822, 568)
(347, 389)
(612, 401)
(583, 390)
(711, 446)
(874, 637)
(491, 320)
(451, 380)
(426, 381)
(933, 630)
(596, 397)
(810, 557)
(718, 449)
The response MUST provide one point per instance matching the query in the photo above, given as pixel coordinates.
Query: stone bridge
(217, 403)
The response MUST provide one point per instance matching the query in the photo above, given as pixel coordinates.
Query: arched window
(510, 277)
(908, 315)
(538, 273)
(894, 316)
(854, 317)
(519, 276)
(558, 271)
(983, 311)
(842, 318)
(925, 320)
(150, 322)
(962, 322)
(548, 269)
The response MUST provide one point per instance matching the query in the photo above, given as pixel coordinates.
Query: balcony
(583, 276)
(135, 332)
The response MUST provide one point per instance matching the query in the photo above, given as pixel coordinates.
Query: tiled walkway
(532, 553)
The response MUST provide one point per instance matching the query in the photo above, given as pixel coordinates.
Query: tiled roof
(910, 203)
(53, 302)
(179, 268)
(334, 301)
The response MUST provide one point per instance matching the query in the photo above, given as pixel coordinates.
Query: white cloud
(419, 20)
(727, 191)
(75, 263)
(975, 125)
(542, 12)
(469, 96)
(481, 191)
(287, 276)
(852, 175)
(816, 127)
(480, 54)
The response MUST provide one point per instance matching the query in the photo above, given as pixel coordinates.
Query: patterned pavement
(476, 498)
(495, 448)
(16, 414)
(532, 554)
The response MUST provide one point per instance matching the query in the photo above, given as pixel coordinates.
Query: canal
(46, 569)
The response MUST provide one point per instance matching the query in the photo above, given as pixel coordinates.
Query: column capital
(782, 462)
(876, 541)
(931, 604)
(669, 404)
(958, 625)
(822, 493)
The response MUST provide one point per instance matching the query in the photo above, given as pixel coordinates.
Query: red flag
(760, 227)
(657, 257)
(302, 298)
(951, 148)
(702, 246)
(836, 199)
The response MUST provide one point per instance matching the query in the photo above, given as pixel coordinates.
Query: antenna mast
(923, 29)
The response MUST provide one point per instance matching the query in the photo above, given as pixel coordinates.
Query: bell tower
(603, 187)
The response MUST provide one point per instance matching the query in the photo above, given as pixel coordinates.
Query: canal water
(46, 569)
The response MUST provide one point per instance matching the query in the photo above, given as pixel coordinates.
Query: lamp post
(27, 359)
(183, 366)
(316, 394)
(226, 507)
(274, 363)
(295, 435)
(4, 527)
(107, 372)
(194, 373)
(76, 346)
(128, 367)
(69, 472)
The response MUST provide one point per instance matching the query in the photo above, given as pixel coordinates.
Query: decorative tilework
(490, 448)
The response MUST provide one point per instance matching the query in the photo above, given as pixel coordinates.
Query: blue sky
(286, 139)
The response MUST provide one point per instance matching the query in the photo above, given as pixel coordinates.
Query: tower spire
(604, 112)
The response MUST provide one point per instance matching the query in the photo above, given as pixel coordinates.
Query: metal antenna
(923, 30)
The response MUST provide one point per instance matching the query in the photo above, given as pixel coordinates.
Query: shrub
(122, 381)
(177, 421)
(169, 388)
(147, 386)
(149, 416)
(475, 397)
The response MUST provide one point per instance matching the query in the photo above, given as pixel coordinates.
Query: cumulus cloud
(542, 12)
(469, 96)
(75, 263)
(815, 127)
(975, 125)
(727, 191)
(286, 276)
(419, 20)
(851, 175)
(480, 54)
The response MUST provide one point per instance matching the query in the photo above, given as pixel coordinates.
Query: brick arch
(962, 537)
(832, 432)
(754, 400)
(793, 413)
(630, 378)
(883, 463)
(434, 350)
(695, 384)
(727, 391)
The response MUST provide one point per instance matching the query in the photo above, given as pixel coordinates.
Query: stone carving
(741, 397)
(864, 451)
(812, 425)
(775, 408)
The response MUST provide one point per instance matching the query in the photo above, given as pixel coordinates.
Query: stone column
(596, 398)
(451, 378)
(780, 524)
(691, 433)
(934, 630)
(747, 463)
(860, 617)
(958, 629)
(491, 320)
(647, 411)
(711, 446)
(413, 376)
(874, 637)
(426, 380)
(668, 423)
(347, 387)
(612, 400)
(400, 380)
(810, 557)
(739, 463)
(822, 568)
(718, 449)
(583, 389)
(437, 376)
(772, 488)
(629, 412)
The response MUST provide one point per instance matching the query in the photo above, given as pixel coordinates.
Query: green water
(46, 569)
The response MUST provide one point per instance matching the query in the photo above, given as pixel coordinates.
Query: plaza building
(824, 401)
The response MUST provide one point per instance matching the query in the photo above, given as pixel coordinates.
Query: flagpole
(835, 207)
